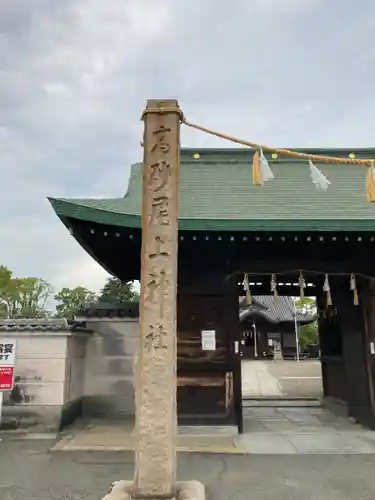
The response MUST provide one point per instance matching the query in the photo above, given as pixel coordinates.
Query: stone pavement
(302, 430)
(267, 430)
(258, 381)
(281, 379)
(29, 472)
(119, 436)
(303, 379)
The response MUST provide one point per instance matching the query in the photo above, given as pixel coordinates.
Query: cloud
(75, 75)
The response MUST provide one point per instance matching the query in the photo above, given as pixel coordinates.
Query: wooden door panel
(197, 313)
(205, 380)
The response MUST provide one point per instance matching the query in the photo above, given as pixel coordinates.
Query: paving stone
(267, 443)
(321, 443)
(266, 430)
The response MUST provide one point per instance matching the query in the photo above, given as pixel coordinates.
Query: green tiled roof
(217, 193)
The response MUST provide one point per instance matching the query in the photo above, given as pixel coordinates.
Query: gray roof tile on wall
(38, 325)
(101, 309)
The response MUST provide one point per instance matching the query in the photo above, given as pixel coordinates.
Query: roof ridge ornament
(353, 288)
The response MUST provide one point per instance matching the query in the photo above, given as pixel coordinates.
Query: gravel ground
(29, 472)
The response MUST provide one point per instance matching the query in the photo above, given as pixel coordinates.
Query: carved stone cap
(161, 106)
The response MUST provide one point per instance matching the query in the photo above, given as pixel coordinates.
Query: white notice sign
(7, 352)
(208, 340)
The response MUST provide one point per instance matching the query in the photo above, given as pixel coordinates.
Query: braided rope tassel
(370, 183)
(257, 177)
(353, 288)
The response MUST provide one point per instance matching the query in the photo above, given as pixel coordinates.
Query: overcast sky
(75, 76)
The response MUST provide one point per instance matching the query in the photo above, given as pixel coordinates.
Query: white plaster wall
(38, 396)
(109, 387)
(75, 367)
(40, 369)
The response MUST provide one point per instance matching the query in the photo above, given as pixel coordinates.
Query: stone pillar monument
(156, 417)
(155, 370)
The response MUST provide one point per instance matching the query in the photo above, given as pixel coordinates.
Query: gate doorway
(334, 379)
(280, 349)
(336, 374)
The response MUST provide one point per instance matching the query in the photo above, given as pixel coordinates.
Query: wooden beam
(156, 419)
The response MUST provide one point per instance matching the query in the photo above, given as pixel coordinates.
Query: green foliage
(23, 297)
(70, 300)
(117, 291)
(308, 335)
(307, 306)
(27, 297)
(5, 278)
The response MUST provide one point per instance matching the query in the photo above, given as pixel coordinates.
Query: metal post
(296, 330)
(255, 340)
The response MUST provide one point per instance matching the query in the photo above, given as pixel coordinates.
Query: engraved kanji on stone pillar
(156, 420)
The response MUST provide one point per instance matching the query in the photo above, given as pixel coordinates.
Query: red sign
(6, 378)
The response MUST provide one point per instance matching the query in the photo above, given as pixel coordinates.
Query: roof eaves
(71, 209)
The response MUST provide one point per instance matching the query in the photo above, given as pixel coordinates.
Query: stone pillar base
(186, 490)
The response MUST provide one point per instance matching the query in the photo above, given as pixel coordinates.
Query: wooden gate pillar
(354, 347)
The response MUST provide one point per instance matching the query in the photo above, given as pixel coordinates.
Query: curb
(179, 449)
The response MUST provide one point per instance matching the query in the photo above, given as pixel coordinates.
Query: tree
(30, 298)
(308, 335)
(5, 279)
(70, 300)
(116, 291)
(23, 297)
(306, 305)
